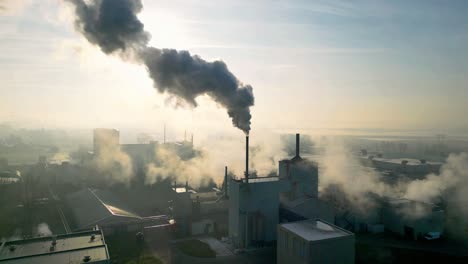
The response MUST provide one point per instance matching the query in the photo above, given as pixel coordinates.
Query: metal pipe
(297, 144)
(247, 159)
(225, 181)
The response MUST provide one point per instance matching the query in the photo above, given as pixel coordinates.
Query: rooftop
(259, 179)
(69, 248)
(410, 162)
(92, 206)
(403, 202)
(315, 230)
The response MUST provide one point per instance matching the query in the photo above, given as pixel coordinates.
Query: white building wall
(292, 248)
(253, 212)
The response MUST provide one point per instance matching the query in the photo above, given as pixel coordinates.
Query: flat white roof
(315, 230)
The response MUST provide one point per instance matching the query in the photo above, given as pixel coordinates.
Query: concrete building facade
(314, 241)
(254, 210)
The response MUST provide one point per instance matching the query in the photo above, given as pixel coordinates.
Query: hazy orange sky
(312, 64)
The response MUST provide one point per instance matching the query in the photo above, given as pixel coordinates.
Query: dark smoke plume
(113, 25)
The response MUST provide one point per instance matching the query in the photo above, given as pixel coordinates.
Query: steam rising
(43, 230)
(113, 25)
(113, 162)
(340, 168)
(453, 173)
(209, 163)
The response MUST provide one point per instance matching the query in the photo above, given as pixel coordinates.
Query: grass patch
(145, 259)
(196, 248)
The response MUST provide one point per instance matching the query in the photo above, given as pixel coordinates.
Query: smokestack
(225, 181)
(114, 26)
(298, 145)
(247, 159)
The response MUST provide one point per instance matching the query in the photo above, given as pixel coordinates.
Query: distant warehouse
(82, 247)
(409, 166)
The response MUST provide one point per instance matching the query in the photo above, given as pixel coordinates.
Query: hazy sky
(313, 64)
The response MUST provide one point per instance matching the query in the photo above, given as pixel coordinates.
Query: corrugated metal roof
(92, 206)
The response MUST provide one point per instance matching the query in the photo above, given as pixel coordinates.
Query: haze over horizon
(372, 65)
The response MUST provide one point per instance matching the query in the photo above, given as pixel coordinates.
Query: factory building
(254, 203)
(300, 200)
(7, 177)
(412, 219)
(302, 175)
(403, 165)
(199, 213)
(108, 139)
(314, 241)
(82, 247)
(96, 207)
(140, 153)
(254, 210)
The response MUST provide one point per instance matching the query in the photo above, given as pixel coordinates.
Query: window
(302, 250)
(286, 244)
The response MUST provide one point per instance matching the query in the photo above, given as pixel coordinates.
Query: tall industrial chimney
(247, 159)
(225, 181)
(298, 145)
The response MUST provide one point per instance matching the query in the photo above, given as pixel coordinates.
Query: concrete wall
(338, 250)
(253, 212)
(292, 248)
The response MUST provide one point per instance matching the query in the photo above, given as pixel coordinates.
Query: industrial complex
(281, 217)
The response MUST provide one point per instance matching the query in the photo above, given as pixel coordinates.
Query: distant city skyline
(313, 64)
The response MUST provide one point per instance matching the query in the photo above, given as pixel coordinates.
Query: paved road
(60, 212)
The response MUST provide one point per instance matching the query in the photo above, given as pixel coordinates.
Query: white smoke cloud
(339, 166)
(112, 161)
(43, 230)
(217, 152)
(452, 173)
